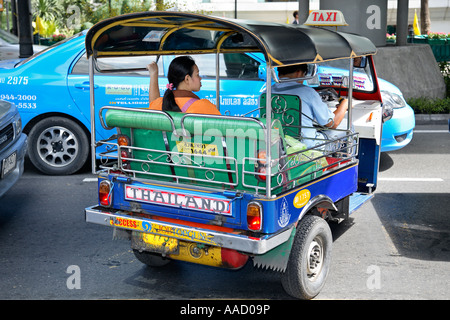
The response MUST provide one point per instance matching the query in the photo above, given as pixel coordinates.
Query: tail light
(104, 193)
(260, 165)
(254, 216)
(124, 141)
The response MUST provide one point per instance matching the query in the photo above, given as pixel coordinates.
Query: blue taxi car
(51, 90)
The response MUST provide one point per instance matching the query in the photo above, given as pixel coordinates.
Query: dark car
(13, 146)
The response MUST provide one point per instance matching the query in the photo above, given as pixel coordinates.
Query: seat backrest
(287, 109)
(205, 150)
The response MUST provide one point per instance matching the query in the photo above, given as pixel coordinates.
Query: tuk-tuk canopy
(163, 33)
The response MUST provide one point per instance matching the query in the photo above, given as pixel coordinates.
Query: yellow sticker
(302, 198)
(197, 148)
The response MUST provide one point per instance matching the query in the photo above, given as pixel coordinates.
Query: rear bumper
(239, 242)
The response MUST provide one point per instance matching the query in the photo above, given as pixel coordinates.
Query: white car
(9, 46)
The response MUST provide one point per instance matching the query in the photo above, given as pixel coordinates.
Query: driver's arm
(339, 114)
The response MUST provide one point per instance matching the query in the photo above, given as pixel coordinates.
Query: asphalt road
(395, 247)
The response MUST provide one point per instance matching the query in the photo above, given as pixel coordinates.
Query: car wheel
(309, 260)
(58, 146)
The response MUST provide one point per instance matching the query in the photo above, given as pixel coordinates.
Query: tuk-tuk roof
(162, 33)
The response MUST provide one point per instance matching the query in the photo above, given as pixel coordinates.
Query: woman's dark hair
(178, 69)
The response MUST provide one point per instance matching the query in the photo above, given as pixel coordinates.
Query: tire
(151, 259)
(58, 146)
(313, 242)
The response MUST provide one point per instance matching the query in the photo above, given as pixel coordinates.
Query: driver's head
(290, 70)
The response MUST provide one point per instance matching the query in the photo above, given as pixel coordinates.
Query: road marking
(412, 179)
(90, 180)
(430, 131)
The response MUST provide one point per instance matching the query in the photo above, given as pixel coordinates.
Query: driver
(314, 110)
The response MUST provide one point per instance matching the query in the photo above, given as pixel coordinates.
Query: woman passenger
(184, 80)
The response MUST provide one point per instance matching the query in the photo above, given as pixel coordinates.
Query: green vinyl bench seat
(212, 151)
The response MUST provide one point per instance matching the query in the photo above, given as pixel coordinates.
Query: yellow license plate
(156, 243)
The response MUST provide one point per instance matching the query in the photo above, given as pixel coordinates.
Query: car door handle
(84, 85)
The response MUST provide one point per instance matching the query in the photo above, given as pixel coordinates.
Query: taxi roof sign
(333, 18)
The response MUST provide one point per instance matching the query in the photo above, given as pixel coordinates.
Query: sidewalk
(432, 118)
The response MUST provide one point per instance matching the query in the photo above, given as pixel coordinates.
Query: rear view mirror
(360, 62)
(312, 70)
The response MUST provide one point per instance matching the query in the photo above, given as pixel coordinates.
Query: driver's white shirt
(312, 106)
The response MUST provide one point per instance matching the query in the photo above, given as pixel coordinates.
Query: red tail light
(124, 141)
(124, 154)
(262, 174)
(254, 216)
(104, 193)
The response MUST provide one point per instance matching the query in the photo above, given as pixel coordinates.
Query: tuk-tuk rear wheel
(309, 260)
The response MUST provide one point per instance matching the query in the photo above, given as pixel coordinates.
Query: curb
(432, 118)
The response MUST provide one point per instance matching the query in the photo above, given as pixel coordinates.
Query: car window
(117, 65)
(232, 66)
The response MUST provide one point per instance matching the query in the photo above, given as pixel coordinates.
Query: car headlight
(394, 100)
(17, 124)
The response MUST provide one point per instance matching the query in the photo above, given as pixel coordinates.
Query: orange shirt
(201, 106)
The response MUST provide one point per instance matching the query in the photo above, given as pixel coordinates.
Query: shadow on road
(415, 226)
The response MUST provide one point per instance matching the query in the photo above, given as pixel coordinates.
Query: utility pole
(14, 17)
(425, 22)
(402, 22)
(25, 29)
(303, 11)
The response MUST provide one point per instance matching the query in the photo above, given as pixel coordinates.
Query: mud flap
(277, 258)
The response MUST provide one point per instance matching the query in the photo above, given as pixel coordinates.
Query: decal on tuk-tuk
(179, 200)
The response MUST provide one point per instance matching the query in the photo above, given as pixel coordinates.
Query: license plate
(157, 243)
(9, 164)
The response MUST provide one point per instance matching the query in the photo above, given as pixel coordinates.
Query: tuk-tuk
(221, 190)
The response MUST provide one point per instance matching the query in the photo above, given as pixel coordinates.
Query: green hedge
(433, 106)
(430, 106)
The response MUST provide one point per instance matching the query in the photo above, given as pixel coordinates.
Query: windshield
(335, 73)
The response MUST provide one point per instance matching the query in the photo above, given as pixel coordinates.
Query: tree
(47, 10)
(424, 17)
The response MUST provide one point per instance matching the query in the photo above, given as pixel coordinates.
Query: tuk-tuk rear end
(223, 190)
